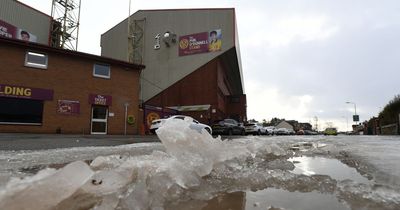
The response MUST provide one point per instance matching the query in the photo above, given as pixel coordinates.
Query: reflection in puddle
(280, 199)
(232, 201)
(275, 199)
(326, 166)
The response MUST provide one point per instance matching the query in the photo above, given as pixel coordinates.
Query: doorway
(99, 120)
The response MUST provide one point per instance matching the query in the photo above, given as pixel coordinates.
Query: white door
(99, 120)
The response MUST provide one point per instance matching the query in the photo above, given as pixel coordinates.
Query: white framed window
(101, 70)
(36, 60)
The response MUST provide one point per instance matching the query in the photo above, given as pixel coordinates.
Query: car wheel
(243, 133)
(230, 132)
(258, 133)
(208, 130)
(153, 131)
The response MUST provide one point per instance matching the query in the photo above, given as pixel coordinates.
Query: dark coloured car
(308, 132)
(228, 127)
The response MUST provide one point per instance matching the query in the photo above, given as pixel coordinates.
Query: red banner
(10, 31)
(100, 99)
(68, 107)
(200, 43)
(7, 30)
(13, 91)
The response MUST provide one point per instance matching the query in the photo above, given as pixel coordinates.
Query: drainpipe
(126, 116)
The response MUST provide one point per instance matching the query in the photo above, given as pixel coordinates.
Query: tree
(275, 121)
(252, 121)
(265, 123)
(390, 113)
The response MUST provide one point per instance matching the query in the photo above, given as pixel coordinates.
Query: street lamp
(355, 106)
(356, 118)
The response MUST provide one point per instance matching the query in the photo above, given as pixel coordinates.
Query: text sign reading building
(14, 91)
(97, 99)
(200, 43)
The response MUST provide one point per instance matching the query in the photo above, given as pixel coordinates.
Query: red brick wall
(238, 108)
(71, 79)
(206, 85)
(195, 89)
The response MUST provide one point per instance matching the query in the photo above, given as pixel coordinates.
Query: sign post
(356, 118)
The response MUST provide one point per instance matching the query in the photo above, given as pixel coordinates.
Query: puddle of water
(280, 199)
(233, 201)
(326, 166)
(275, 199)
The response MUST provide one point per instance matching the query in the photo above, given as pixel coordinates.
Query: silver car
(253, 128)
(194, 124)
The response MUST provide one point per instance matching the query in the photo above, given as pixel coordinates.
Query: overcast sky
(301, 58)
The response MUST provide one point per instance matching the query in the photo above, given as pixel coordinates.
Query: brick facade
(208, 85)
(70, 76)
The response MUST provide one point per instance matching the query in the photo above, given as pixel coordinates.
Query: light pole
(355, 116)
(355, 106)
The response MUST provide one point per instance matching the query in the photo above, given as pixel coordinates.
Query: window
(36, 60)
(100, 70)
(231, 121)
(20, 111)
(235, 99)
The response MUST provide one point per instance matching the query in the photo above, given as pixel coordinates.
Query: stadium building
(192, 59)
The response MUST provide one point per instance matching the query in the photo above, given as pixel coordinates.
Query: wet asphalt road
(53, 141)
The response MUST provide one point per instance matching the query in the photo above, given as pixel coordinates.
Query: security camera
(169, 38)
(156, 46)
(167, 34)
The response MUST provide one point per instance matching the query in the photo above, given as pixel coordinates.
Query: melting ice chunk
(199, 151)
(46, 189)
(194, 149)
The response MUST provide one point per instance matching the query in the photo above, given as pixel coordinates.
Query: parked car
(155, 124)
(330, 132)
(270, 130)
(253, 128)
(228, 127)
(195, 125)
(308, 132)
(264, 130)
(300, 132)
(282, 131)
(291, 132)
